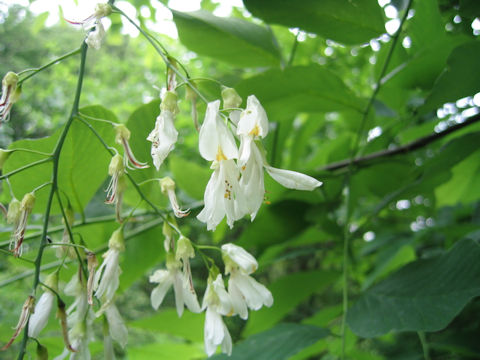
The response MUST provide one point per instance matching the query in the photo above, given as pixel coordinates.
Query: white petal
(118, 330)
(213, 331)
(163, 137)
(241, 257)
(253, 120)
(159, 292)
(190, 297)
(238, 301)
(292, 179)
(245, 149)
(39, 318)
(225, 306)
(178, 288)
(227, 341)
(256, 295)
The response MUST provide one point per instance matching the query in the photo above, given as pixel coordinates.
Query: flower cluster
(244, 292)
(236, 189)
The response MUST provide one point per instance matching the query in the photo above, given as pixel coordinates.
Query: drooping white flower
(122, 137)
(117, 184)
(223, 196)
(184, 296)
(244, 290)
(95, 37)
(217, 302)
(164, 135)
(43, 307)
(106, 280)
(10, 95)
(117, 329)
(167, 186)
(293, 179)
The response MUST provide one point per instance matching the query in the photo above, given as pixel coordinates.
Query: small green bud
(4, 154)
(10, 79)
(184, 248)
(102, 10)
(28, 202)
(117, 241)
(169, 102)
(14, 210)
(166, 184)
(42, 352)
(121, 133)
(230, 97)
(116, 165)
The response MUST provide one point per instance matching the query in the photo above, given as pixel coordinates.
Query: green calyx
(28, 202)
(117, 241)
(230, 97)
(167, 184)
(184, 249)
(116, 165)
(10, 79)
(169, 102)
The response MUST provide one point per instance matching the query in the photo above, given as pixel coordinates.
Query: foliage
(381, 262)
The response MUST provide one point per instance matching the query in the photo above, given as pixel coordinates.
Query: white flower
(10, 95)
(43, 307)
(117, 329)
(164, 135)
(167, 186)
(245, 291)
(216, 142)
(106, 280)
(181, 286)
(292, 179)
(223, 196)
(217, 302)
(94, 38)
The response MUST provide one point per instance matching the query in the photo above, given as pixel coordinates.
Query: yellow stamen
(220, 154)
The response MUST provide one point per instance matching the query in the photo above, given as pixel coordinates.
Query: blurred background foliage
(412, 218)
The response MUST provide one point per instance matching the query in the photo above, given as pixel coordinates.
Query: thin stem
(97, 119)
(30, 151)
(20, 169)
(53, 62)
(6, 252)
(163, 56)
(425, 347)
(293, 51)
(42, 186)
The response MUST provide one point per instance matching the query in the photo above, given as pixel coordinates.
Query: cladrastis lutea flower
(218, 303)
(10, 95)
(43, 306)
(164, 136)
(93, 24)
(167, 185)
(184, 296)
(122, 137)
(117, 184)
(252, 127)
(223, 196)
(245, 292)
(17, 215)
(27, 310)
(106, 280)
(80, 320)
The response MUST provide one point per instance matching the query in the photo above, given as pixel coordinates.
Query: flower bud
(102, 10)
(14, 211)
(230, 97)
(117, 241)
(184, 249)
(116, 165)
(169, 102)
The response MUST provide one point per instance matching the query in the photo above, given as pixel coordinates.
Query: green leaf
(344, 21)
(423, 296)
(297, 89)
(189, 326)
(278, 343)
(459, 79)
(288, 292)
(166, 350)
(232, 40)
(189, 176)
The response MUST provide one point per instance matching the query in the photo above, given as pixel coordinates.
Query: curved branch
(410, 147)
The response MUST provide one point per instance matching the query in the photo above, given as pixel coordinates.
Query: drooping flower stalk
(167, 185)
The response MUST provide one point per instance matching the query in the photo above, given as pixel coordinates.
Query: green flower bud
(117, 241)
(169, 102)
(230, 97)
(102, 10)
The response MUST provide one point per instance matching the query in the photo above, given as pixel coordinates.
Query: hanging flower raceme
(184, 293)
(122, 136)
(164, 135)
(223, 196)
(217, 302)
(43, 307)
(252, 127)
(117, 184)
(17, 215)
(10, 95)
(27, 310)
(167, 185)
(107, 277)
(95, 37)
(244, 290)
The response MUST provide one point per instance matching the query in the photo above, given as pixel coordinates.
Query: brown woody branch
(412, 146)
